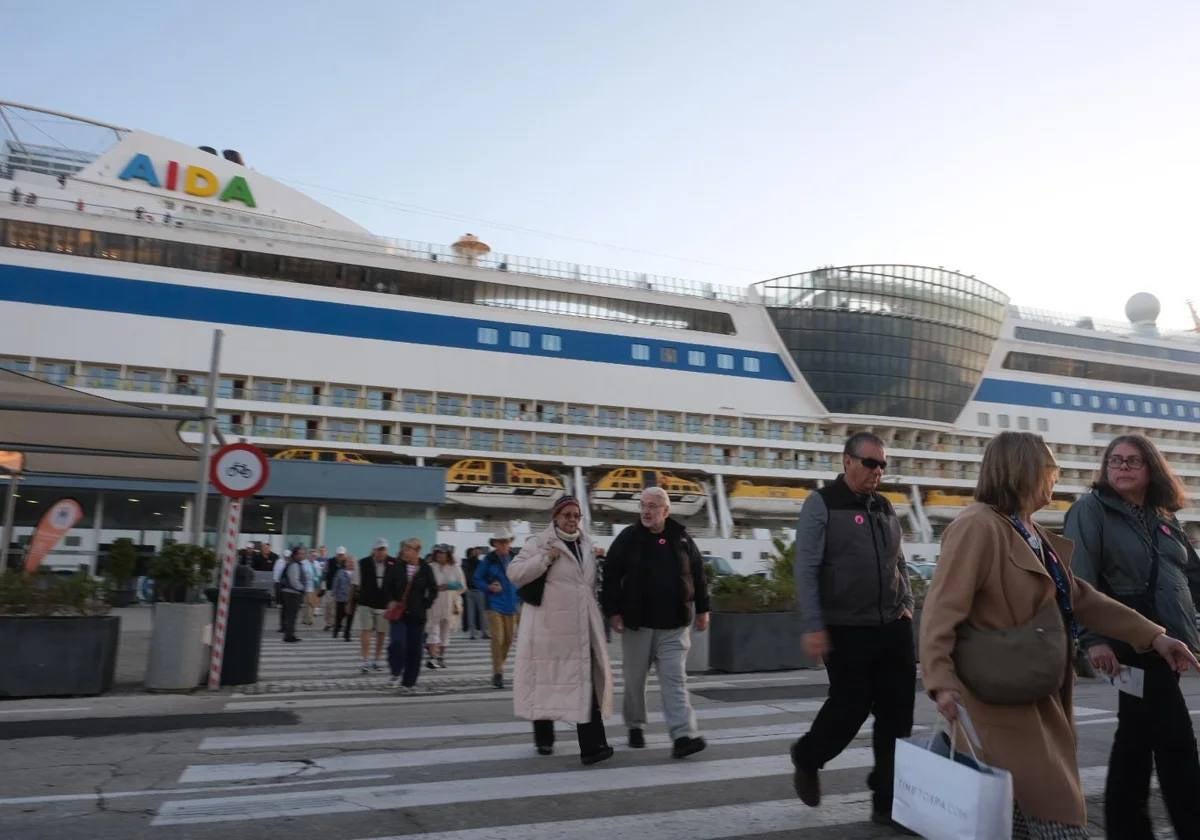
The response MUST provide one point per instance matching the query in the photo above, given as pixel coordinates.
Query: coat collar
(1022, 556)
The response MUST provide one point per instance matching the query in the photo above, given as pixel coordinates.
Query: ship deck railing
(300, 233)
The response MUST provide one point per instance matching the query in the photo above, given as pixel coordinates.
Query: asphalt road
(357, 763)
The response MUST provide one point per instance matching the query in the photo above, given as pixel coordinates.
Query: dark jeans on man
(291, 609)
(343, 615)
(1153, 732)
(591, 734)
(404, 650)
(872, 671)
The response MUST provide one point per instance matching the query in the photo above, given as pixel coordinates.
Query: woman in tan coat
(996, 570)
(562, 670)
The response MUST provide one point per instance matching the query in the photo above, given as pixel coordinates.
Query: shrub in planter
(122, 561)
(56, 636)
(179, 571)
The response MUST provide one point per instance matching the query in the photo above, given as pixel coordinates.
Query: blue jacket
(491, 569)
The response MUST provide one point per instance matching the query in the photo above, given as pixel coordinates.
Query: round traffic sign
(239, 470)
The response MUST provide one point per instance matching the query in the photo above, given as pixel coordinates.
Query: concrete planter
(744, 642)
(697, 658)
(178, 649)
(58, 656)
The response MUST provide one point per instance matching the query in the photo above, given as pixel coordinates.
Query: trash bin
(243, 633)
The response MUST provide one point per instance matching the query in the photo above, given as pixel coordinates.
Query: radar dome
(1142, 309)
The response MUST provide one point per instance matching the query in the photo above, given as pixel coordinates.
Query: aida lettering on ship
(196, 180)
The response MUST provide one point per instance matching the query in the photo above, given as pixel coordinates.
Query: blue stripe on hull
(75, 290)
(1008, 392)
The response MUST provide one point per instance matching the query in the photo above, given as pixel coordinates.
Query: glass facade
(1102, 371)
(887, 340)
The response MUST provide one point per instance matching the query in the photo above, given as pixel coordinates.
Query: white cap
(381, 543)
(341, 549)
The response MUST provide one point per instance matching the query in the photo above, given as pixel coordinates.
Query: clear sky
(1050, 148)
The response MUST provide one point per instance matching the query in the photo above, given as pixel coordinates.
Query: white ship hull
(626, 501)
(494, 496)
(773, 508)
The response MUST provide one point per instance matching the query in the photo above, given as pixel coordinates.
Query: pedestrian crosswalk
(482, 780)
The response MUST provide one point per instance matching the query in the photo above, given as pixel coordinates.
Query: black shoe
(294, 639)
(686, 746)
(637, 739)
(429, 664)
(880, 818)
(599, 755)
(545, 749)
(807, 783)
(497, 681)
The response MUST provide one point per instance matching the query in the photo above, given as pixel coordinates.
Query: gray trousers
(668, 650)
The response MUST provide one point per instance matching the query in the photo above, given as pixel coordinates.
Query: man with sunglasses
(856, 616)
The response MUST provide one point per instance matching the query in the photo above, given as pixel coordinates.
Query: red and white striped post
(229, 539)
(238, 470)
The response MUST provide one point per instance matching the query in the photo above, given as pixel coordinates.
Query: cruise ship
(527, 378)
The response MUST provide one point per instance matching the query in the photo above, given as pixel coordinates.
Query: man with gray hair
(856, 610)
(653, 584)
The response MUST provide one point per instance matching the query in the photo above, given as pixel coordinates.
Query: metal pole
(10, 507)
(210, 411)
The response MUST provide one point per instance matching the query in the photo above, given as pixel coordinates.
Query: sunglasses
(871, 463)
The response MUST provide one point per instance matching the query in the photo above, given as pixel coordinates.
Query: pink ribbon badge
(858, 519)
(662, 540)
(1165, 530)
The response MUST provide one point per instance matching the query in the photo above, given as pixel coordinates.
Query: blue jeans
(404, 650)
(476, 604)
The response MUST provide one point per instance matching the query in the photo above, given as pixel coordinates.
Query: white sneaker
(394, 682)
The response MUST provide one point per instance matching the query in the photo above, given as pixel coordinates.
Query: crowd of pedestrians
(1123, 585)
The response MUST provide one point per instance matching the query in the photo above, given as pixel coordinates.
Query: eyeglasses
(1134, 462)
(569, 515)
(871, 463)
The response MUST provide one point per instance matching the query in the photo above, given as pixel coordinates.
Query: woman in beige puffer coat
(562, 668)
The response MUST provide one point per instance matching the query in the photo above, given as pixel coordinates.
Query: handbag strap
(408, 586)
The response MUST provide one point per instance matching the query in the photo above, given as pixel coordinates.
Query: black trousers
(591, 735)
(291, 609)
(342, 614)
(872, 671)
(1154, 732)
(405, 640)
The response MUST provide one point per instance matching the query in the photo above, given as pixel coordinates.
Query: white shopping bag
(945, 795)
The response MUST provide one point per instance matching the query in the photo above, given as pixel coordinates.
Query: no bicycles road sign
(239, 470)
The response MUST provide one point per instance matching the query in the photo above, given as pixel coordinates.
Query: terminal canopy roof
(65, 431)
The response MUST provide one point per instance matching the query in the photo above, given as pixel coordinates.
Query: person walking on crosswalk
(491, 576)
(410, 589)
(372, 602)
(653, 582)
(342, 586)
(562, 670)
(292, 582)
(445, 612)
(856, 612)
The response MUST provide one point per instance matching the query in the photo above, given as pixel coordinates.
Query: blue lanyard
(1062, 586)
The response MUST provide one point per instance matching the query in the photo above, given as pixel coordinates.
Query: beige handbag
(1013, 666)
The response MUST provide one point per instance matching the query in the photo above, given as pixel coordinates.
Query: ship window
(1196, 412)
(696, 358)
(1077, 400)
(518, 338)
(488, 335)
(641, 352)
(1043, 424)
(725, 361)
(1002, 421)
(1023, 424)
(1094, 401)
(1056, 397)
(984, 419)
(551, 342)
(1147, 407)
(669, 355)
(1180, 411)
(1131, 405)
(750, 364)
(1164, 409)
(1114, 404)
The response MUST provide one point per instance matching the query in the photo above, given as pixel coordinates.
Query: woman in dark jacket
(1129, 545)
(412, 582)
